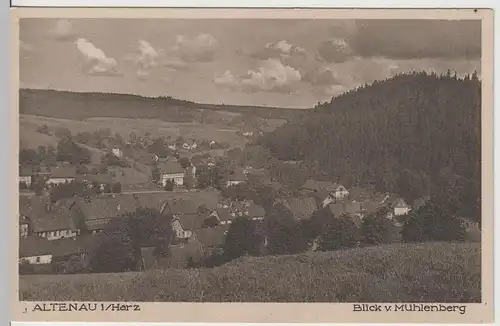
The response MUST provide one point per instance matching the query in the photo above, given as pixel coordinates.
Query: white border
(256, 3)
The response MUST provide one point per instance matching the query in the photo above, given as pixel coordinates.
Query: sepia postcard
(252, 165)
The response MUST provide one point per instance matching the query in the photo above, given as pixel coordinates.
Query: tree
(288, 238)
(184, 162)
(29, 157)
(155, 173)
(115, 250)
(116, 188)
(433, 222)
(169, 185)
(378, 229)
(342, 233)
(241, 239)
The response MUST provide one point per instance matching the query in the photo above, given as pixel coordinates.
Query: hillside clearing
(431, 272)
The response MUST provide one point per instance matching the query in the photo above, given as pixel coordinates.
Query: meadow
(30, 138)
(430, 272)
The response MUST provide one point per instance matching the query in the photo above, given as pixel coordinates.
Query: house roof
(38, 246)
(321, 194)
(224, 214)
(42, 220)
(360, 193)
(63, 171)
(151, 200)
(25, 171)
(256, 211)
(212, 237)
(237, 175)
(191, 222)
(301, 207)
(310, 184)
(347, 207)
(107, 207)
(99, 178)
(418, 203)
(170, 167)
(182, 207)
(399, 203)
(34, 246)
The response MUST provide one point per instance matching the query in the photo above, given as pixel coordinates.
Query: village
(203, 194)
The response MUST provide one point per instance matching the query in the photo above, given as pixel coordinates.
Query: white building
(172, 171)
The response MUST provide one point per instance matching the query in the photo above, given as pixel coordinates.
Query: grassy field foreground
(432, 272)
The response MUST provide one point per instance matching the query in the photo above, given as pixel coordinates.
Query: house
(212, 239)
(222, 215)
(94, 214)
(336, 190)
(235, 178)
(97, 180)
(37, 250)
(171, 171)
(302, 208)
(49, 220)
(349, 208)
(212, 143)
(323, 198)
(116, 151)
(25, 175)
(172, 147)
(420, 202)
(185, 217)
(24, 227)
(189, 144)
(400, 207)
(256, 212)
(61, 174)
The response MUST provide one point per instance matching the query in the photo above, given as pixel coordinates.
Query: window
(37, 259)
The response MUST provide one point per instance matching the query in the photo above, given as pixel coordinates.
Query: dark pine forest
(415, 134)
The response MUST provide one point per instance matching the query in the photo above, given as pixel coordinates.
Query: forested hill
(413, 134)
(73, 105)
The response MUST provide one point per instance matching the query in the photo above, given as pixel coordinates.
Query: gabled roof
(224, 214)
(38, 246)
(301, 207)
(212, 237)
(26, 171)
(107, 207)
(347, 207)
(310, 185)
(420, 202)
(191, 222)
(170, 167)
(399, 203)
(42, 220)
(98, 178)
(34, 246)
(182, 207)
(63, 171)
(256, 211)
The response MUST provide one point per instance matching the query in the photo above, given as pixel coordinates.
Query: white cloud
(200, 48)
(335, 50)
(147, 55)
(96, 61)
(272, 76)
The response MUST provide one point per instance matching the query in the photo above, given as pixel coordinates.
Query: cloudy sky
(287, 63)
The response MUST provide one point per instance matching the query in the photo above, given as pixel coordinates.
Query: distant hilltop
(74, 105)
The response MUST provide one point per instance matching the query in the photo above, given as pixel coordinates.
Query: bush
(433, 222)
(169, 185)
(378, 229)
(341, 233)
